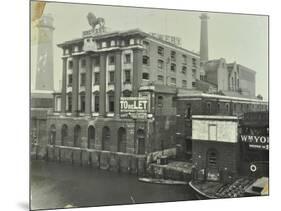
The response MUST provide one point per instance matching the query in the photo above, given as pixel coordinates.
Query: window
(127, 76)
(212, 158)
(82, 79)
(97, 103)
(193, 83)
(111, 77)
(160, 64)
(145, 45)
(160, 101)
(208, 108)
(194, 62)
(98, 45)
(184, 84)
(70, 80)
(161, 51)
(112, 43)
(96, 61)
(145, 60)
(82, 102)
(173, 81)
(111, 60)
(184, 58)
(160, 78)
(69, 101)
(111, 103)
(103, 44)
(145, 76)
(212, 132)
(70, 64)
(227, 107)
(127, 93)
(173, 55)
(188, 111)
(83, 62)
(132, 41)
(193, 73)
(127, 59)
(184, 69)
(173, 67)
(97, 78)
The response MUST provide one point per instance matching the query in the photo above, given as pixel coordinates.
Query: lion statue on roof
(94, 21)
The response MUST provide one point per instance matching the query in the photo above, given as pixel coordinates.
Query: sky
(235, 37)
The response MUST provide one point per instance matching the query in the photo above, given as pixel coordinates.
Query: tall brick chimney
(204, 38)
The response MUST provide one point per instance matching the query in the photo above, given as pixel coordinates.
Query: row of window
(111, 78)
(161, 51)
(96, 61)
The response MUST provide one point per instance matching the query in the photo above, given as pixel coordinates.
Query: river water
(55, 185)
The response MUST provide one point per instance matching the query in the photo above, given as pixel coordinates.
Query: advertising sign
(256, 142)
(134, 107)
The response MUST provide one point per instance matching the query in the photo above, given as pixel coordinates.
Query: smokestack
(204, 38)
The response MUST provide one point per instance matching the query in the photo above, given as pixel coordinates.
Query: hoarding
(256, 142)
(134, 107)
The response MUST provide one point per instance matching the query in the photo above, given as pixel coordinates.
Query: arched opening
(52, 135)
(141, 141)
(212, 158)
(122, 140)
(77, 136)
(91, 137)
(106, 138)
(64, 134)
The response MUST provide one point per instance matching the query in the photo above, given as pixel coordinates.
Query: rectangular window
(160, 64)
(160, 51)
(111, 77)
(82, 79)
(173, 55)
(112, 60)
(184, 69)
(160, 78)
(184, 84)
(112, 43)
(69, 101)
(82, 102)
(132, 41)
(173, 67)
(173, 81)
(83, 62)
(127, 59)
(127, 76)
(103, 44)
(145, 60)
(96, 61)
(194, 62)
(97, 78)
(70, 80)
(145, 45)
(193, 84)
(194, 73)
(70, 64)
(184, 58)
(145, 76)
(97, 103)
(212, 132)
(111, 103)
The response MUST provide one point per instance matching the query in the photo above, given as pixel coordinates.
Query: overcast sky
(240, 38)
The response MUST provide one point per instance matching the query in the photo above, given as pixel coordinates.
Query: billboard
(134, 107)
(256, 142)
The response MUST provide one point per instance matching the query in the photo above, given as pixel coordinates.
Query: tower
(44, 67)
(204, 38)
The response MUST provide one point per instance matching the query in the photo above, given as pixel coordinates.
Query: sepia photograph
(134, 105)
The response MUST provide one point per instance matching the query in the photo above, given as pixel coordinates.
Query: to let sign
(133, 107)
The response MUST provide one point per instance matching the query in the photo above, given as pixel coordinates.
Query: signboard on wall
(134, 107)
(256, 142)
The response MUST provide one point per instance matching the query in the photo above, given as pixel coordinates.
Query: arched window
(121, 147)
(106, 139)
(77, 136)
(160, 101)
(212, 158)
(141, 141)
(52, 135)
(91, 137)
(64, 134)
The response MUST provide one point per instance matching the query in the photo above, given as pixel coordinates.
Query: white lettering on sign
(257, 142)
(134, 107)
